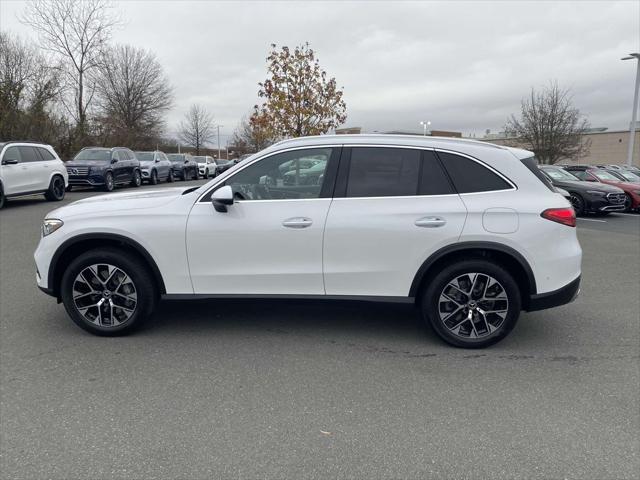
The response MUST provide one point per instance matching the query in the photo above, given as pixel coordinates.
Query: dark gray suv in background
(104, 168)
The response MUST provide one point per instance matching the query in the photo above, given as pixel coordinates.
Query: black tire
(628, 202)
(578, 203)
(206, 173)
(195, 175)
(430, 305)
(153, 179)
(56, 190)
(133, 267)
(136, 181)
(69, 188)
(108, 182)
(2, 200)
(170, 176)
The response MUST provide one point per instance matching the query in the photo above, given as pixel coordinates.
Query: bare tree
(133, 94)
(77, 31)
(197, 128)
(28, 85)
(550, 125)
(252, 135)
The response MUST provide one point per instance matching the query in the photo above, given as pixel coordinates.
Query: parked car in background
(223, 165)
(592, 174)
(184, 166)
(461, 228)
(625, 175)
(586, 197)
(206, 166)
(104, 168)
(155, 167)
(27, 168)
(632, 168)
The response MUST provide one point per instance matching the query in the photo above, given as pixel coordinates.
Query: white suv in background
(27, 168)
(206, 166)
(470, 231)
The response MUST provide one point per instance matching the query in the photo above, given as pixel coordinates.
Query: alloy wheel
(104, 295)
(58, 188)
(577, 203)
(473, 305)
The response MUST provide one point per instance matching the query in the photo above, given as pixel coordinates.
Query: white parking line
(628, 214)
(592, 220)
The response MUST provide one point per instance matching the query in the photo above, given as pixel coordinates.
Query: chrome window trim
(218, 180)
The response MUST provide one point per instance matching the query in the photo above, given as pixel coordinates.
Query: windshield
(145, 156)
(560, 174)
(94, 155)
(602, 175)
(176, 157)
(631, 177)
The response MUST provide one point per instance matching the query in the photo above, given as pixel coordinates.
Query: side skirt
(356, 298)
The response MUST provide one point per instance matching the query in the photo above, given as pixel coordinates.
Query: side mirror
(221, 198)
(157, 160)
(10, 161)
(114, 160)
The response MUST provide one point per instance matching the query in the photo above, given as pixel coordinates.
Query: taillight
(565, 216)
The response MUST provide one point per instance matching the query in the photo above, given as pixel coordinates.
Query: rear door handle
(297, 222)
(430, 222)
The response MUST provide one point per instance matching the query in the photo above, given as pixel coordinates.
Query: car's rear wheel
(108, 292)
(154, 178)
(136, 181)
(108, 182)
(472, 303)
(578, 203)
(56, 190)
(170, 176)
(628, 202)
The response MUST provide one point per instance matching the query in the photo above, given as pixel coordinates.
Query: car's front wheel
(577, 203)
(1, 197)
(170, 176)
(628, 203)
(108, 182)
(56, 189)
(154, 178)
(206, 173)
(472, 303)
(108, 292)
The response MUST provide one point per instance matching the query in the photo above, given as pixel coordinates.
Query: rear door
(393, 208)
(37, 178)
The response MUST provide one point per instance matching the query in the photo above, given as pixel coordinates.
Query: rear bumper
(561, 296)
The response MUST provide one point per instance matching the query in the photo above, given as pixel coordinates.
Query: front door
(270, 240)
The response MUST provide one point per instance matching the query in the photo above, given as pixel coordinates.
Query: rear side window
(532, 164)
(383, 172)
(29, 154)
(433, 180)
(469, 176)
(45, 154)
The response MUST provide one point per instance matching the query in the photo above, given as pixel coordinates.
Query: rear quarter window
(532, 164)
(470, 176)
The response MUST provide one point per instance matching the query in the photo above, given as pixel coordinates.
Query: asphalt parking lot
(294, 389)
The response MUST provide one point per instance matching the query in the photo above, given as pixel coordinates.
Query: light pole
(425, 125)
(219, 140)
(634, 114)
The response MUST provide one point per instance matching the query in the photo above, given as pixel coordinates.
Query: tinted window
(383, 172)
(288, 175)
(470, 176)
(29, 154)
(12, 153)
(434, 180)
(532, 164)
(581, 174)
(46, 154)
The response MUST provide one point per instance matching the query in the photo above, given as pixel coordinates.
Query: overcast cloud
(462, 65)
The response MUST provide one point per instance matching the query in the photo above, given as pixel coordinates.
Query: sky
(462, 65)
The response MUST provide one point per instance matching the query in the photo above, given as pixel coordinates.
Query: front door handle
(430, 222)
(297, 222)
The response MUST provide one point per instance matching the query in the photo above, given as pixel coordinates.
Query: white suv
(470, 231)
(27, 168)
(206, 166)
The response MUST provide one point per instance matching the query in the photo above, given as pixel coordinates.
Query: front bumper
(561, 296)
(87, 181)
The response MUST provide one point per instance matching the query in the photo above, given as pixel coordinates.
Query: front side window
(290, 175)
(470, 176)
(12, 153)
(383, 172)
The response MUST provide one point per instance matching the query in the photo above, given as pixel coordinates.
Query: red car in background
(593, 174)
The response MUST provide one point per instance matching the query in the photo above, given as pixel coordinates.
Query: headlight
(50, 225)
(596, 192)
